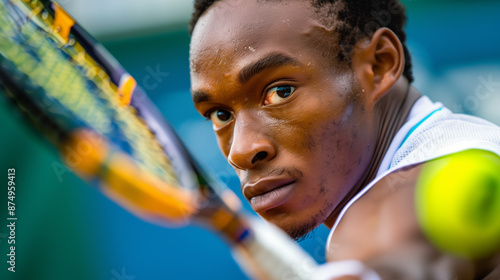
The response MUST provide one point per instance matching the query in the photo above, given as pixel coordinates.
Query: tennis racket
(109, 133)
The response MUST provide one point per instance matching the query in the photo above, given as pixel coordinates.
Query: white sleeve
(331, 270)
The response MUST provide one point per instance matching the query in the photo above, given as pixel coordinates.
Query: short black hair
(351, 19)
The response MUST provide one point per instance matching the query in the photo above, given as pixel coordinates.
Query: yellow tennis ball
(458, 203)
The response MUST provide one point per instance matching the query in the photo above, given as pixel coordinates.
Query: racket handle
(268, 253)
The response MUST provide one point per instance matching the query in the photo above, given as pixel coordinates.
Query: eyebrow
(200, 96)
(269, 61)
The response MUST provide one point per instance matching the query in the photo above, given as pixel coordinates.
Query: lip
(269, 192)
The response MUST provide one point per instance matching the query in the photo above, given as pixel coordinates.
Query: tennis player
(312, 104)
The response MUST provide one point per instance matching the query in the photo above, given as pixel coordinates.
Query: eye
(220, 118)
(279, 94)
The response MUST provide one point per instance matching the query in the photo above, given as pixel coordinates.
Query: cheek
(224, 140)
(329, 145)
(337, 152)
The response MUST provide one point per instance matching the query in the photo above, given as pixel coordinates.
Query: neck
(392, 112)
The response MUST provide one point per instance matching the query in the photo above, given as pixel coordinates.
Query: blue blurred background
(67, 230)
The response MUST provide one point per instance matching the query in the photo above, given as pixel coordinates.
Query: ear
(379, 63)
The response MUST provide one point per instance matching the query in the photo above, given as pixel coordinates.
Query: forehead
(233, 32)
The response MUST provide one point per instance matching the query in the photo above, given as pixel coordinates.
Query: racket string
(97, 104)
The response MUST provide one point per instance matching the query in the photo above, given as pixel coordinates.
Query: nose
(251, 145)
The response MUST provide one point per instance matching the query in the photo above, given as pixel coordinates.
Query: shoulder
(379, 220)
(387, 222)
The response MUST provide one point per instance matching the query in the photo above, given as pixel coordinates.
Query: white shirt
(431, 131)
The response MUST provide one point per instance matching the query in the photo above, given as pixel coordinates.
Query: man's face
(289, 118)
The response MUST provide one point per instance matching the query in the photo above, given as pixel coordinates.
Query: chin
(296, 229)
